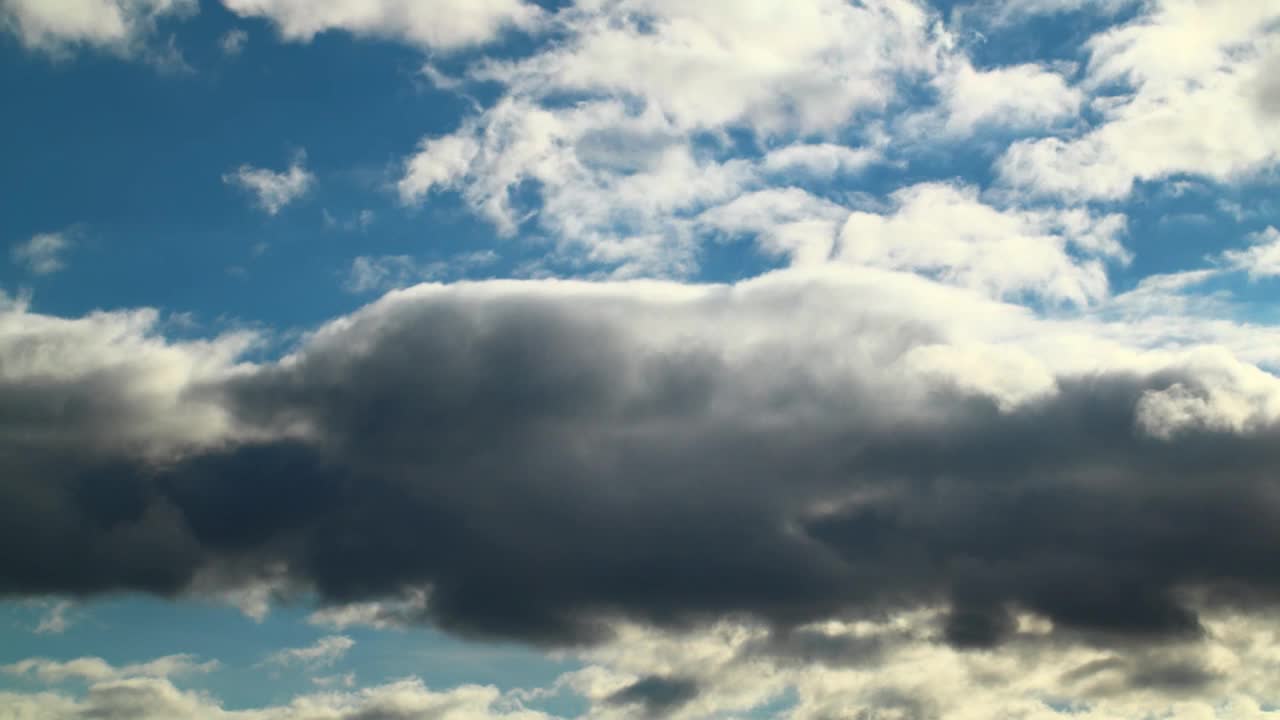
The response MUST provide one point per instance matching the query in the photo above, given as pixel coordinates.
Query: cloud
(617, 177)
(57, 27)
(387, 272)
(788, 222)
(324, 653)
(393, 613)
(233, 42)
(94, 669)
(1025, 96)
(55, 621)
(948, 231)
(1008, 12)
(43, 254)
(820, 159)
(440, 25)
(1221, 676)
(888, 666)
(346, 680)
(159, 699)
(658, 695)
(273, 190)
(1194, 103)
(1259, 260)
(770, 65)
(561, 455)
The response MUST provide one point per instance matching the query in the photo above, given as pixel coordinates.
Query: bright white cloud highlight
(1200, 104)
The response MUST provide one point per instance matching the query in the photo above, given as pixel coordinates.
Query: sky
(632, 359)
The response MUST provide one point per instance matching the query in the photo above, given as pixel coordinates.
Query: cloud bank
(546, 458)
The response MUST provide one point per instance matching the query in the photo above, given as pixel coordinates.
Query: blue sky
(593, 358)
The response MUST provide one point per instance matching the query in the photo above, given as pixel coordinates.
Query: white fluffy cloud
(273, 190)
(1259, 260)
(622, 174)
(820, 159)
(437, 24)
(57, 26)
(1200, 104)
(768, 64)
(117, 365)
(946, 230)
(1026, 96)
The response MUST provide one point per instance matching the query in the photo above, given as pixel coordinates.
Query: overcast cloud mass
(881, 360)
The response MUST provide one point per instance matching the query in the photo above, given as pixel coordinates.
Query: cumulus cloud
(621, 174)
(544, 458)
(948, 231)
(888, 666)
(790, 222)
(1259, 260)
(59, 26)
(43, 254)
(440, 25)
(1196, 105)
(271, 189)
(1025, 96)
(820, 159)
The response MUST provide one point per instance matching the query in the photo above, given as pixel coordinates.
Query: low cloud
(546, 458)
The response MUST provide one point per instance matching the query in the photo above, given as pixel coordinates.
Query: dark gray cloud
(547, 463)
(658, 695)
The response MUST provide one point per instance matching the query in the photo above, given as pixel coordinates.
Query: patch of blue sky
(135, 159)
(130, 629)
(993, 38)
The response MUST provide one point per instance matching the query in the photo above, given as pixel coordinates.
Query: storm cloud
(546, 458)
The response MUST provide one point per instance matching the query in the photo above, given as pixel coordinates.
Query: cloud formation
(271, 189)
(550, 457)
(441, 24)
(56, 26)
(43, 254)
(324, 653)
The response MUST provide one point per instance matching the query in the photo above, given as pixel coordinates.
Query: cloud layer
(546, 458)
